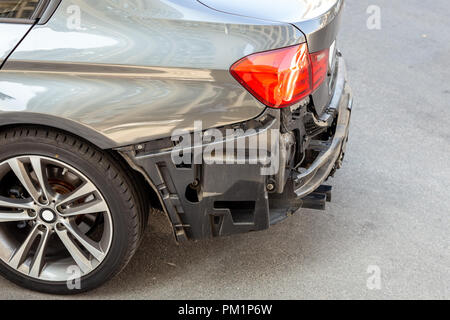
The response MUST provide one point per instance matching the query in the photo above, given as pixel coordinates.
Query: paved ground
(391, 202)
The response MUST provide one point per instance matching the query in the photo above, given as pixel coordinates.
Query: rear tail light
(282, 77)
(319, 62)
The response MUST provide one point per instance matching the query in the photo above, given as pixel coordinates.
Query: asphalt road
(390, 209)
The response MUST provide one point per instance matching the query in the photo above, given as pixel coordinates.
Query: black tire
(127, 208)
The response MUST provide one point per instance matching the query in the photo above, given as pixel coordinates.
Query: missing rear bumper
(222, 195)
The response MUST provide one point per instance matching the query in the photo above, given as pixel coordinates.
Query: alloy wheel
(52, 218)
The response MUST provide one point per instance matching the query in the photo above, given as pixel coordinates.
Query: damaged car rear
(229, 116)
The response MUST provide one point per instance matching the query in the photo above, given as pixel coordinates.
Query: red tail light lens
(282, 77)
(319, 62)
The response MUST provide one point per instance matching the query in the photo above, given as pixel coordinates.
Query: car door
(17, 17)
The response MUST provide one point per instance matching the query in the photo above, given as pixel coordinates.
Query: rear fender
(80, 130)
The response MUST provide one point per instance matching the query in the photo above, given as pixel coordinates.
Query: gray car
(226, 115)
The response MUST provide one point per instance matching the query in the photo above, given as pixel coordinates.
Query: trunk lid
(288, 11)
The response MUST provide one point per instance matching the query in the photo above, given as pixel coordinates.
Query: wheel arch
(17, 119)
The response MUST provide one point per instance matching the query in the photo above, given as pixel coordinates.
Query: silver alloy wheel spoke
(39, 257)
(91, 246)
(75, 251)
(15, 203)
(14, 216)
(91, 207)
(21, 254)
(10, 216)
(24, 177)
(41, 175)
(83, 191)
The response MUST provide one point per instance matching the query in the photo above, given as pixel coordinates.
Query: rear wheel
(70, 218)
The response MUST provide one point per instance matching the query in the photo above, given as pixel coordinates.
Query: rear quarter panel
(135, 70)
(11, 34)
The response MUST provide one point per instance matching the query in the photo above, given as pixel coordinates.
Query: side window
(18, 9)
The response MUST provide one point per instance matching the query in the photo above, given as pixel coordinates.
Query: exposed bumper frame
(332, 152)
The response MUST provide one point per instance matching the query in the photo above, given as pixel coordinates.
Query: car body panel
(11, 34)
(137, 73)
(290, 11)
(310, 16)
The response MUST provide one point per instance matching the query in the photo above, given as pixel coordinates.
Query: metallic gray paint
(135, 74)
(11, 34)
(290, 11)
(315, 18)
(322, 30)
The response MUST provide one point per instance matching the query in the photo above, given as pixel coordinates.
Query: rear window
(17, 9)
